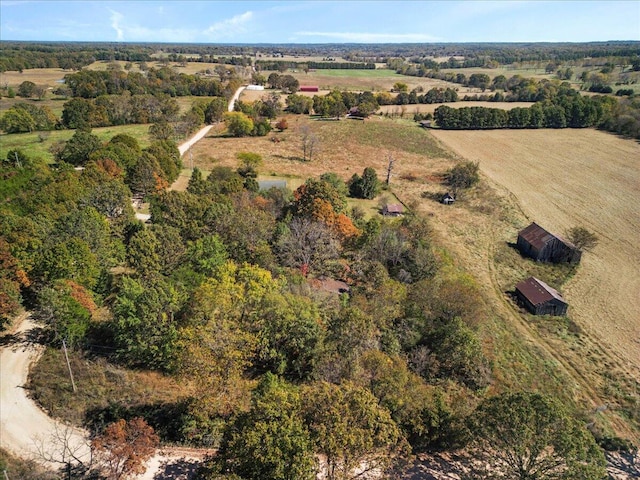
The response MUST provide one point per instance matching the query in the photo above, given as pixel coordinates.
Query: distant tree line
(18, 56)
(563, 111)
(283, 65)
(165, 80)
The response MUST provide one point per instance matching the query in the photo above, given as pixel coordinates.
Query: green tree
(207, 254)
(17, 121)
(249, 164)
(299, 104)
(26, 89)
(528, 436)
(238, 124)
(350, 428)
(368, 186)
(270, 441)
(67, 317)
(463, 175)
(79, 148)
(215, 110)
(145, 332)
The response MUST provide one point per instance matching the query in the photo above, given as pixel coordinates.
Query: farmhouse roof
(394, 208)
(539, 237)
(538, 292)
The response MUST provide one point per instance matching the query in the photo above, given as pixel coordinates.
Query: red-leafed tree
(124, 447)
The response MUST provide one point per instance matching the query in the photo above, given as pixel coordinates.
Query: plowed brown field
(566, 178)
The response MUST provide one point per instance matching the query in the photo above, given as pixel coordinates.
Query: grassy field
(37, 146)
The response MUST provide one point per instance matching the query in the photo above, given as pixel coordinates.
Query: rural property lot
(566, 178)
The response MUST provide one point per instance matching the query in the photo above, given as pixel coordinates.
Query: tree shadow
(291, 158)
(167, 419)
(182, 468)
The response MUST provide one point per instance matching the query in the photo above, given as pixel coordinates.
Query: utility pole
(73, 384)
(6, 477)
(389, 168)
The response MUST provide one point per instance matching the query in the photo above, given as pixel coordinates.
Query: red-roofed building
(309, 88)
(539, 298)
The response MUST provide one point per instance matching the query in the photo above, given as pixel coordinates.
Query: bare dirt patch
(564, 178)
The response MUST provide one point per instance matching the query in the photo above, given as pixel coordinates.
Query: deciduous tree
(124, 447)
(528, 436)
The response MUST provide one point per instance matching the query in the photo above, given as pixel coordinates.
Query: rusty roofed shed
(539, 244)
(539, 298)
(392, 210)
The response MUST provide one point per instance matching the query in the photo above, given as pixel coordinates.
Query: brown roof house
(393, 210)
(539, 298)
(537, 243)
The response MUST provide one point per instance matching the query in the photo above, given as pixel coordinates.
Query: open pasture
(39, 76)
(379, 80)
(37, 144)
(344, 147)
(566, 178)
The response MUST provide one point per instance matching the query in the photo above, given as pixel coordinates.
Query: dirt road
(25, 429)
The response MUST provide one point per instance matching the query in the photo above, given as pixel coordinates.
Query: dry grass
(344, 147)
(100, 384)
(596, 350)
(564, 178)
(39, 76)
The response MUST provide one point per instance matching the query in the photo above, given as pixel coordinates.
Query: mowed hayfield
(566, 178)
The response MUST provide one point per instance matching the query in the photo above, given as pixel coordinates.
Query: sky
(336, 21)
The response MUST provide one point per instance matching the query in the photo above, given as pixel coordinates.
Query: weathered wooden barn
(543, 246)
(539, 298)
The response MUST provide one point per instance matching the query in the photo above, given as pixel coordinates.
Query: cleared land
(37, 144)
(566, 178)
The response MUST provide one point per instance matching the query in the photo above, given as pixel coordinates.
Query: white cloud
(368, 37)
(229, 26)
(116, 18)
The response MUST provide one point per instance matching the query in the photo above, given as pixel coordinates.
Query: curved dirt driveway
(25, 429)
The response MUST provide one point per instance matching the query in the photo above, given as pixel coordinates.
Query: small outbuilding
(539, 298)
(393, 210)
(309, 88)
(543, 246)
(255, 87)
(447, 199)
(425, 123)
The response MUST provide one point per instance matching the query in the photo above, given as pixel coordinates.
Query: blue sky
(320, 21)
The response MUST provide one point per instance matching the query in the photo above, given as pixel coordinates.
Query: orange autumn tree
(124, 447)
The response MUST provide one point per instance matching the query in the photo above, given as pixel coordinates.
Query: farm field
(374, 80)
(600, 190)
